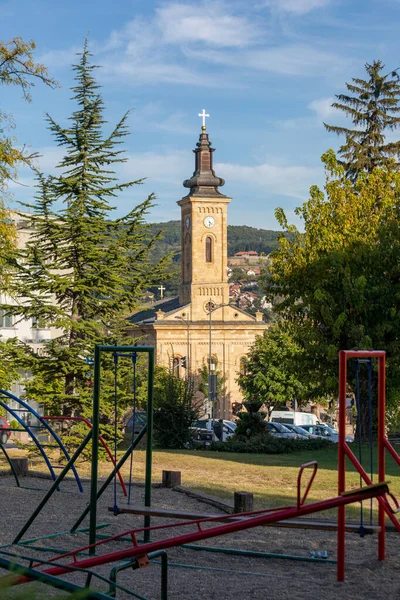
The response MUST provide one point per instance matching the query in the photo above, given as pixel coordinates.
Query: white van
(293, 417)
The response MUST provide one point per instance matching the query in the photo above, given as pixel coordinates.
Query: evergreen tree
(82, 272)
(373, 106)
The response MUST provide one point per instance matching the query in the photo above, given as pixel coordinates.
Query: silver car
(325, 432)
(281, 431)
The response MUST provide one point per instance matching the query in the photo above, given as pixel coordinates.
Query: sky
(266, 71)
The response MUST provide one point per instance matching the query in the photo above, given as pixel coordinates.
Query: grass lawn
(271, 478)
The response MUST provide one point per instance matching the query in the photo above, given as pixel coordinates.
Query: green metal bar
(55, 582)
(95, 449)
(110, 477)
(11, 465)
(95, 422)
(54, 550)
(71, 570)
(54, 535)
(254, 554)
(55, 485)
(149, 444)
(134, 564)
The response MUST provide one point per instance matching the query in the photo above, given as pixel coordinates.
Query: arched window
(176, 363)
(209, 249)
(242, 365)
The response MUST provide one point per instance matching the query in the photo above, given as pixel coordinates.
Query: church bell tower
(204, 235)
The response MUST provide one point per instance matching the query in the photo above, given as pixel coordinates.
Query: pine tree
(373, 106)
(82, 272)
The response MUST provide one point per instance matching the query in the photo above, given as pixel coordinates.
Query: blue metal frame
(33, 436)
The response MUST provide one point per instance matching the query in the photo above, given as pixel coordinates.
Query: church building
(201, 324)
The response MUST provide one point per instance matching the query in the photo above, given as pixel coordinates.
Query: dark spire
(204, 182)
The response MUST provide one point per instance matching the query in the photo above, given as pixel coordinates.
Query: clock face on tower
(187, 222)
(209, 222)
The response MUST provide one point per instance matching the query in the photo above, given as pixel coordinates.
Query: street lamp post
(211, 391)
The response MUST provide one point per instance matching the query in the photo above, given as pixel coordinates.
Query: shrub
(265, 443)
(175, 411)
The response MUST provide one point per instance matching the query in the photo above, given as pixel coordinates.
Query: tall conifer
(82, 271)
(373, 106)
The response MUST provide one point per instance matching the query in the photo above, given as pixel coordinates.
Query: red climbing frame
(344, 451)
(101, 440)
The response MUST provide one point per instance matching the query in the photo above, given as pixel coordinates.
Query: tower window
(209, 249)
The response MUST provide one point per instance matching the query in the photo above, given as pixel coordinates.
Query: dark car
(4, 435)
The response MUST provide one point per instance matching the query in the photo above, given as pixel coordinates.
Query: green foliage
(82, 271)
(338, 284)
(265, 443)
(175, 410)
(250, 424)
(17, 68)
(271, 372)
(373, 107)
(14, 357)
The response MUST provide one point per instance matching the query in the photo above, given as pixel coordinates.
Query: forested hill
(240, 238)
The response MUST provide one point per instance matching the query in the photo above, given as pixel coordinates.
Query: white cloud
(208, 23)
(296, 7)
(166, 167)
(293, 181)
(152, 117)
(56, 59)
(293, 59)
(323, 108)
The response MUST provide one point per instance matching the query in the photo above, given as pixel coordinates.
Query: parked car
(291, 417)
(281, 431)
(4, 435)
(228, 428)
(301, 432)
(326, 432)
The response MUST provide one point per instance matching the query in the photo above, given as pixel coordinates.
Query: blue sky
(265, 70)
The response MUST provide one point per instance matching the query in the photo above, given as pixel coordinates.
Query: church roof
(204, 181)
(149, 314)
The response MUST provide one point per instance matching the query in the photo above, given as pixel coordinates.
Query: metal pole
(53, 487)
(188, 351)
(110, 477)
(149, 445)
(210, 383)
(95, 449)
(381, 450)
(341, 465)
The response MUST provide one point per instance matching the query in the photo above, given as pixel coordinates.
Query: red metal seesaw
(255, 519)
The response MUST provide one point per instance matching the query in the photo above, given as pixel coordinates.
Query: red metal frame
(314, 464)
(101, 440)
(255, 519)
(345, 451)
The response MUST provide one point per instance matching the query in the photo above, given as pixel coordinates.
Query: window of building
(209, 249)
(6, 319)
(38, 323)
(176, 364)
(242, 365)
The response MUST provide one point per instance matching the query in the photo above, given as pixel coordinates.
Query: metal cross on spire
(204, 115)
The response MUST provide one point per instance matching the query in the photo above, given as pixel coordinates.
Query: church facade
(201, 327)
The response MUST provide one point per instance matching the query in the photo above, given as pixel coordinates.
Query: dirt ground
(197, 574)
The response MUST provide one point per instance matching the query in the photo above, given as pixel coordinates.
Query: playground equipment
(253, 519)
(84, 559)
(93, 434)
(344, 451)
(32, 430)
